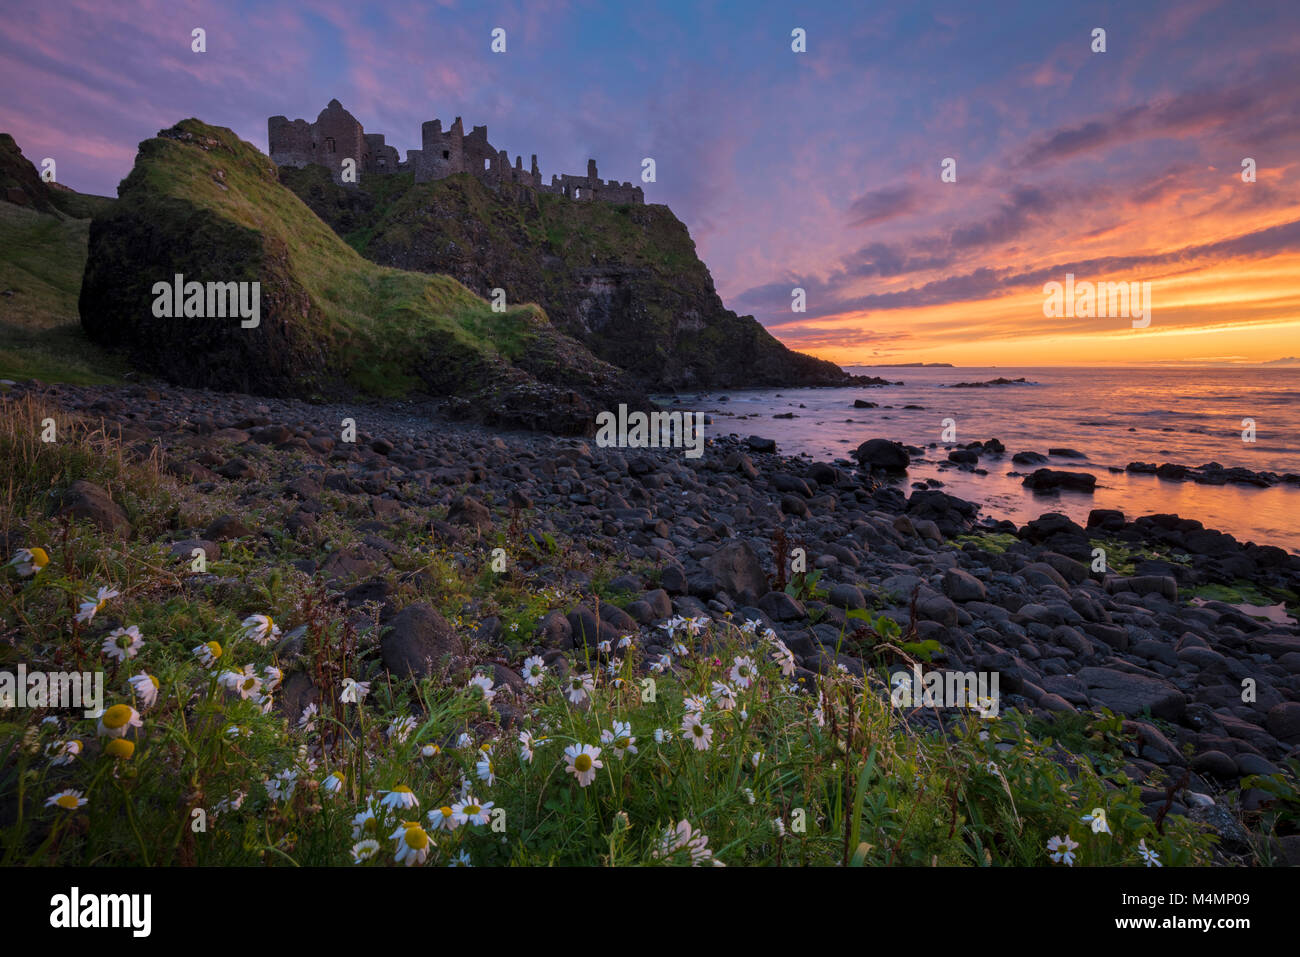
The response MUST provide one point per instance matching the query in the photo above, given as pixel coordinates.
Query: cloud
(883, 204)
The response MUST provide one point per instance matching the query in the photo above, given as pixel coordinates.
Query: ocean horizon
(1113, 416)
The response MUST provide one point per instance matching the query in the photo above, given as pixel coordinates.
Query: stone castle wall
(337, 135)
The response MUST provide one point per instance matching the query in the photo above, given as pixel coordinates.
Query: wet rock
(1143, 585)
(1048, 480)
(883, 455)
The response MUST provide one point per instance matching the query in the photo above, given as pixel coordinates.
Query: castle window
(446, 154)
(577, 194)
(329, 144)
(487, 163)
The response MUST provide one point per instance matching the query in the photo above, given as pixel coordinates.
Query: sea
(1113, 416)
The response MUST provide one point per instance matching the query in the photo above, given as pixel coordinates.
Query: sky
(817, 170)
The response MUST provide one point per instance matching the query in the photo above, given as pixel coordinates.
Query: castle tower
(338, 137)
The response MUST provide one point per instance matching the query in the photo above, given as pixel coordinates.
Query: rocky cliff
(625, 280)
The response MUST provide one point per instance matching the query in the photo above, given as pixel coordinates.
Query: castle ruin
(337, 135)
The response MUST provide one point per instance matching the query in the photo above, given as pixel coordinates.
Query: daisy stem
(130, 817)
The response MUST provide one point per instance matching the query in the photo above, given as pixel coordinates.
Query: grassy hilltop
(202, 203)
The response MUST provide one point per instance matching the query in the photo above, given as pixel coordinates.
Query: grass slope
(625, 280)
(203, 203)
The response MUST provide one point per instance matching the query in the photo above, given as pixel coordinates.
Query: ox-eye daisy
(401, 728)
(684, 837)
(526, 746)
(117, 720)
(260, 628)
(444, 818)
(534, 671)
(484, 684)
(584, 760)
(244, 683)
(580, 688)
(146, 689)
(281, 787)
(401, 798)
(92, 606)
(123, 643)
(207, 653)
(68, 800)
(413, 844)
(29, 561)
(784, 657)
(470, 811)
(697, 732)
(364, 824)
(63, 752)
(365, 850)
(1062, 850)
(724, 696)
(1149, 857)
(620, 737)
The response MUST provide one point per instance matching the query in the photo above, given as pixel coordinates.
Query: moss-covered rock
(205, 205)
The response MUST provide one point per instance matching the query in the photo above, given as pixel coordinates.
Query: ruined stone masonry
(337, 135)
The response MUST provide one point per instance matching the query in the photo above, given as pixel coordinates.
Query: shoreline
(1157, 637)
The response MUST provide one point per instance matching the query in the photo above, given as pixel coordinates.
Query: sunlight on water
(1113, 416)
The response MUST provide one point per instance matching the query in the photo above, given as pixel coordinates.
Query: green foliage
(847, 777)
(1283, 817)
(803, 586)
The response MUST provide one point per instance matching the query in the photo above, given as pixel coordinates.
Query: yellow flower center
(39, 558)
(117, 716)
(472, 809)
(369, 825)
(68, 801)
(214, 648)
(154, 681)
(622, 742)
(445, 811)
(120, 748)
(697, 730)
(416, 838)
(582, 762)
(401, 789)
(248, 683)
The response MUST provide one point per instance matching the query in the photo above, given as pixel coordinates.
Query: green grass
(41, 261)
(848, 779)
(383, 331)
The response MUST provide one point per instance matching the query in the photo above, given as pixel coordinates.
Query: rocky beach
(1204, 683)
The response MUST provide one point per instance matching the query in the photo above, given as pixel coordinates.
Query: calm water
(1113, 416)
